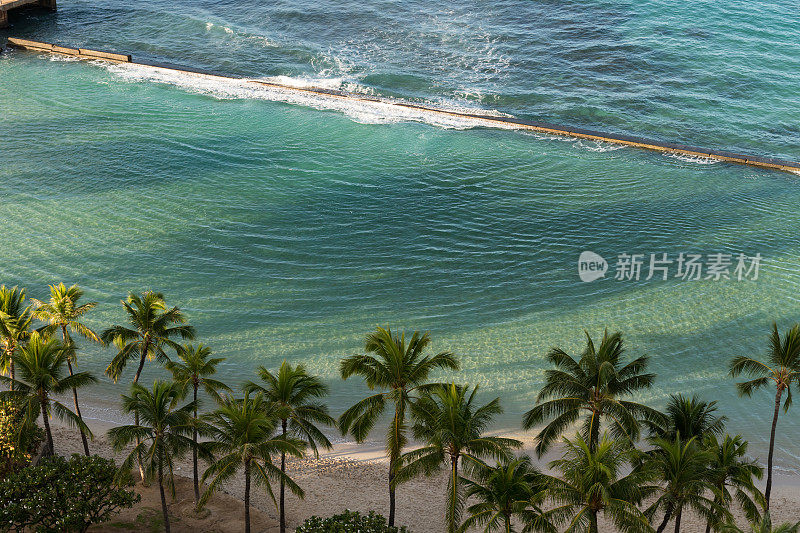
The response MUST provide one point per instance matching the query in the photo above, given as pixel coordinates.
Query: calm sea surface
(289, 229)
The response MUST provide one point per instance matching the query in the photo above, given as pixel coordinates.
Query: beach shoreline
(353, 476)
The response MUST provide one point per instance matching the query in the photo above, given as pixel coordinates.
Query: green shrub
(64, 495)
(18, 444)
(349, 522)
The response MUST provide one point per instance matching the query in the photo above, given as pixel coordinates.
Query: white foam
(598, 146)
(266, 41)
(548, 136)
(327, 83)
(363, 111)
(63, 59)
(306, 83)
(693, 158)
(583, 144)
(242, 35)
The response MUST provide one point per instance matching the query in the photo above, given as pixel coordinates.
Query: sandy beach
(350, 476)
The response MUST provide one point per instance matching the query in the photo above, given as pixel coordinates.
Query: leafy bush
(64, 495)
(17, 443)
(349, 522)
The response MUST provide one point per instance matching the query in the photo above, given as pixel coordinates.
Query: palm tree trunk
(283, 483)
(678, 521)
(452, 504)
(78, 412)
(593, 522)
(43, 405)
(667, 516)
(772, 446)
(138, 442)
(65, 338)
(507, 522)
(145, 349)
(247, 497)
(708, 522)
(136, 413)
(594, 431)
(391, 492)
(163, 497)
(194, 453)
(717, 501)
(10, 356)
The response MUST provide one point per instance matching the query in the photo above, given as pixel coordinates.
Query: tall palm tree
(41, 375)
(64, 313)
(592, 386)
(764, 525)
(682, 468)
(293, 394)
(401, 372)
(152, 327)
(161, 437)
(15, 321)
(688, 417)
(511, 489)
(451, 426)
(192, 370)
(243, 433)
(731, 470)
(592, 484)
(780, 367)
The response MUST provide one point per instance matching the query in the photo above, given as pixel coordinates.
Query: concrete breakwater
(476, 119)
(37, 46)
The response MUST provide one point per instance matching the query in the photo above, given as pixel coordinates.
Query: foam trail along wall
(475, 119)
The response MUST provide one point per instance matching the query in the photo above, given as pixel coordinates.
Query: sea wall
(83, 53)
(483, 120)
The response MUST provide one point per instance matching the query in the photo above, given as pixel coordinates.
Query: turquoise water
(289, 229)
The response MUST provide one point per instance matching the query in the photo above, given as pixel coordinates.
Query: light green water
(286, 231)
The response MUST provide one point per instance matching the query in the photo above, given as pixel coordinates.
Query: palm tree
(243, 433)
(63, 313)
(15, 321)
(593, 385)
(512, 489)
(401, 372)
(731, 470)
(41, 375)
(293, 394)
(592, 484)
(152, 328)
(193, 370)
(781, 367)
(682, 468)
(161, 437)
(452, 426)
(764, 525)
(689, 418)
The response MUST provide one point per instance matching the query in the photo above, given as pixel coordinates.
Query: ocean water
(289, 228)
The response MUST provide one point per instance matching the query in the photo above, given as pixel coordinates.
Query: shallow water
(290, 229)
